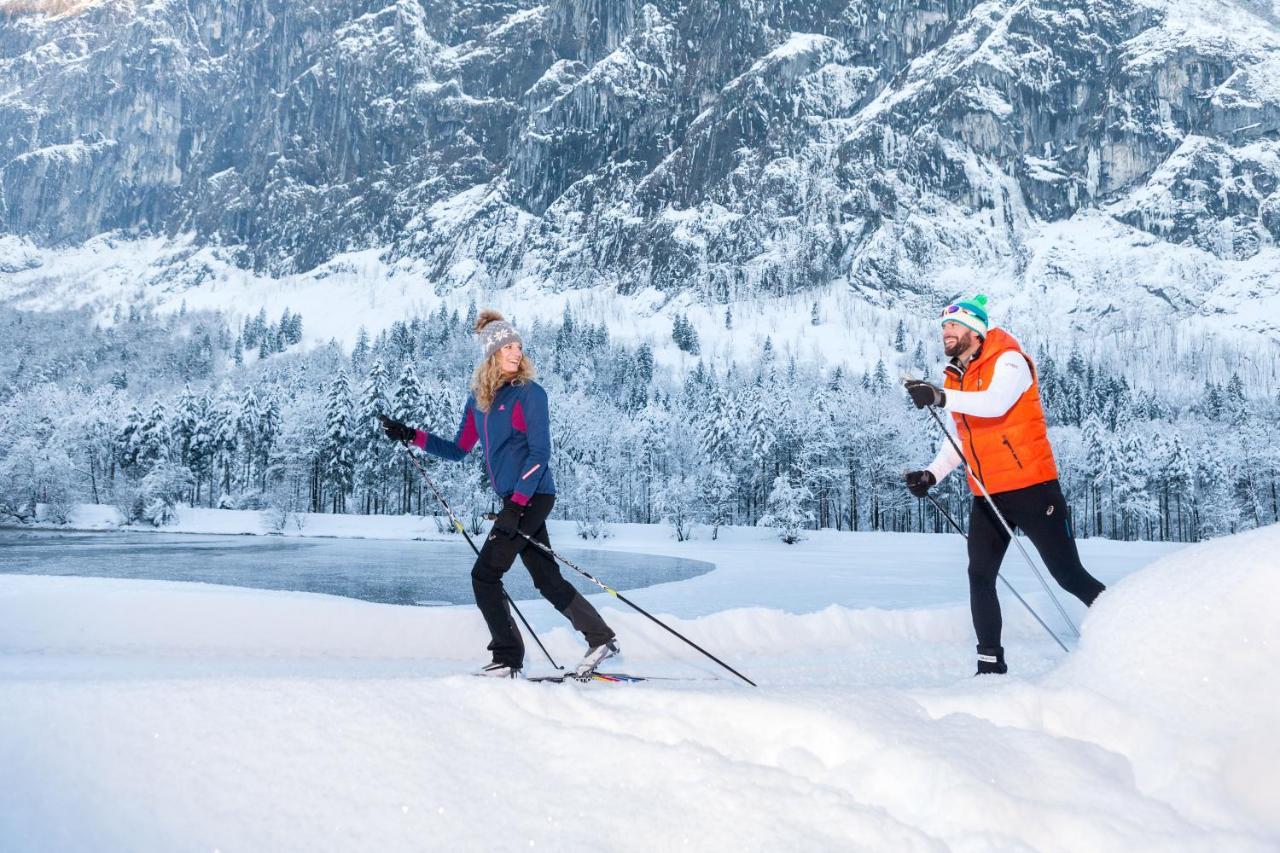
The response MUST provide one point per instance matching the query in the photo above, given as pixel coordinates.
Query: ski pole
(1007, 529)
(463, 530)
(1023, 601)
(553, 555)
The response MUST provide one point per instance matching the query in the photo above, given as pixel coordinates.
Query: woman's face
(509, 357)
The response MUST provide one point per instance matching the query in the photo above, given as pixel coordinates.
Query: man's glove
(923, 394)
(397, 431)
(508, 521)
(919, 482)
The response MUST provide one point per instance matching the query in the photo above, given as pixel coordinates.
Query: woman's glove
(397, 431)
(508, 521)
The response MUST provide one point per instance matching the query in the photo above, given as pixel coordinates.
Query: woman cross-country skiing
(993, 395)
(508, 415)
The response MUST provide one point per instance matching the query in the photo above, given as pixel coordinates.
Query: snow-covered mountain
(1078, 158)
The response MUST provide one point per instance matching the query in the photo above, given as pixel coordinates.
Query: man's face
(956, 339)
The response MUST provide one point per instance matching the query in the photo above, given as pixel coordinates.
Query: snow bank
(154, 716)
(1177, 673)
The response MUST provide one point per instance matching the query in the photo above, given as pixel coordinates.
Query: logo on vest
(1049, 511)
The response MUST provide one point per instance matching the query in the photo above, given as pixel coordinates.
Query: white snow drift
(165, 716)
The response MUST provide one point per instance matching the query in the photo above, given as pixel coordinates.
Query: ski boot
(499, 670)
(595, 656)
(991, 661)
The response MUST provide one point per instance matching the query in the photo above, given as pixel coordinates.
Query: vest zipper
(977, 463)
(1007, 444)
(973, 450)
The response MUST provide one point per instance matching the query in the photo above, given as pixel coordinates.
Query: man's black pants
(498, 555)
(1040, 511)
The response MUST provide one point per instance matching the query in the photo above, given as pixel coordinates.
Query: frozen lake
(383, 571)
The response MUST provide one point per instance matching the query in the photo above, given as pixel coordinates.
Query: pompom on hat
(495, 332)
(971, 313)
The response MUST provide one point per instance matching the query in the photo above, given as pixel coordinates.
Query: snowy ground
(168, 716)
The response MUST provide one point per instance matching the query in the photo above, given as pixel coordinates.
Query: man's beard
(962, 343)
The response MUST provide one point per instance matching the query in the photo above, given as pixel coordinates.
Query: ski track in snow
(169, 716)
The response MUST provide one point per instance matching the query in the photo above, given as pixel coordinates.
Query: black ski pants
(498, 555)
(1040, 511)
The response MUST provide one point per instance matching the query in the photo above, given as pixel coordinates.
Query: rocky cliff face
(719, 147)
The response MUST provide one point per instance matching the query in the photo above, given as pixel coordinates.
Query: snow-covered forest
(152, 411)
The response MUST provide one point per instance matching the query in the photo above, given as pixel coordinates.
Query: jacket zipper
(488, 464)
(1005, 439)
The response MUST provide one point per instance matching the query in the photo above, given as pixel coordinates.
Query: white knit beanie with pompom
(495, 332)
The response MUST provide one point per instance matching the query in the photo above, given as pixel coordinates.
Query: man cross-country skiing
(508, 415)
(993, 395)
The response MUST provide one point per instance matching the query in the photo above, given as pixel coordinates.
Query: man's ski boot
(499, 670)
(595, 656)
(991, 661)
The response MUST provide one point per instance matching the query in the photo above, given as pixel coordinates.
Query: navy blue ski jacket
(515, 435)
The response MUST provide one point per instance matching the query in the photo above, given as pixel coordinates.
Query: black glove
(508, 521)
(919, 482)
(397, 431)
(923, 394)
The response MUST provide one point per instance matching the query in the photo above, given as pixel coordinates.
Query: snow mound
(166, 716)
(1177, 672)
(1193, 638)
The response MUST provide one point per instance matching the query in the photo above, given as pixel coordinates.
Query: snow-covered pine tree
(880, 379)
(339, 439)
(154, 437)
(594, 505)
(128, 440)
(757, 428)
(821, 462)
(373, 460)
(200, 452)
(269, 428)
(919, 363)
(225, 422)
(360, 352)
(718, 494)
(650, 442)
(1134, 500)
(566, 353)
(248, 428)
(787, 510)
(185, 417)
(1098, 467)
(408, 406)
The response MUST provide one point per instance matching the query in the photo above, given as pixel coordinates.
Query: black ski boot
(499, 670)
(991, 661)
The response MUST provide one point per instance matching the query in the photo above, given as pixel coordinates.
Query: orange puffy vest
(1011, 451)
